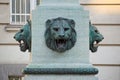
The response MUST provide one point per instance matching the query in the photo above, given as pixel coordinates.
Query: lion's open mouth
(22, 45)
(60, 44)
(96, 43)
(94, 46)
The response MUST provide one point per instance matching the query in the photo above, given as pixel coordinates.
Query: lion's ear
(72, 22)
(29, 23)
(48, 22)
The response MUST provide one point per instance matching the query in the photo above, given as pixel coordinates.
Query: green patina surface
(94, 38)
(23, 36)
(60, 34)
(60, 71)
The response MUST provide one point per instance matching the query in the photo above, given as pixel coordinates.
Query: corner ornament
(23, 36)
(95, 37)
(60, 34)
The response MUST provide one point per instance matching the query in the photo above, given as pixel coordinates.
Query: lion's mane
(50, 39)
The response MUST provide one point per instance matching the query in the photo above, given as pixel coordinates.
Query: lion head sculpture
(23, 36)
(60, 34)
(94, 38)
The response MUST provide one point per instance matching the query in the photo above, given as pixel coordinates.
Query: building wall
(12, 60)
(104, 14)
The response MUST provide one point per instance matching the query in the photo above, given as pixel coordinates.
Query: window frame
(14, 77)
(33, 4)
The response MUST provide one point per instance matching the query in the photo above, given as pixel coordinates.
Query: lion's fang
(21, 41)
(96, 44)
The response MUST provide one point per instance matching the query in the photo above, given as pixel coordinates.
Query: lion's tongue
(60, 45)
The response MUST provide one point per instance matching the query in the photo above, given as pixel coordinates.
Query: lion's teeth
(21, 41)
(96, 44)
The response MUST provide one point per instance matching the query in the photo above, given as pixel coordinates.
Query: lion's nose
(62, 35)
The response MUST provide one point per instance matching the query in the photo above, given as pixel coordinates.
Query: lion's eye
(65, 29)
(21, 30)
(55, 29)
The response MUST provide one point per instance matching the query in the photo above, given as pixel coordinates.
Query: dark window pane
(27, 6)
(15, 78)
(18, 18)
(28, 17)
(38, 2)
(23, 18)
(23, 6)
(13, 18)
(13, 6)
(17, 6)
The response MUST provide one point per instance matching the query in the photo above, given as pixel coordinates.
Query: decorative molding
(99, 44)
(107, 65)
(12, 28)
(4, 3)
(109, 44)
(102, 24)
(99, 4)
(4, 23)
(9, 44)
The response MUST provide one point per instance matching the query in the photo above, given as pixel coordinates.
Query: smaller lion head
(60, 34)
(23, 36)
(94, 38)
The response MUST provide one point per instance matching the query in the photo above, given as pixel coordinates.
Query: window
(15, 78)
(20, 10)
